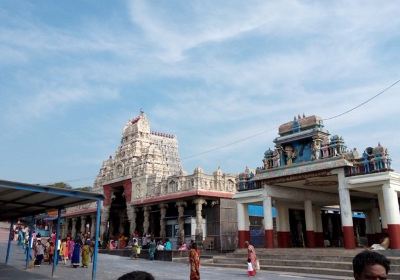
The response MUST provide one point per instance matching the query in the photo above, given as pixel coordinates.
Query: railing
(248, 185)
(361, 167)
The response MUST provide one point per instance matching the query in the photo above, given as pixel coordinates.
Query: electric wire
(265, 131)
(363, 103)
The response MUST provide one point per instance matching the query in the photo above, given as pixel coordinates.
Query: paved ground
(111, 267)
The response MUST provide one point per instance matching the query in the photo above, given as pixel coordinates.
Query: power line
(363, 103)
(265, 131)
(228, 144)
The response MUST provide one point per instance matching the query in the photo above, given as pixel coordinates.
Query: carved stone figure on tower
(290, 154)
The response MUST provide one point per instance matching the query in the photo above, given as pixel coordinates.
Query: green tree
(61, 185)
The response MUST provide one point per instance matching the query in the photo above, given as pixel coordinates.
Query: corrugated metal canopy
(18, 200)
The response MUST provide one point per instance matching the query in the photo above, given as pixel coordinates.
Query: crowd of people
(79, 252)
(76, 252)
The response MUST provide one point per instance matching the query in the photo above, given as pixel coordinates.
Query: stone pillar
(345, 212)
(62, 231)
(69, 222)
(319, 232)
(83, 225)
(131, 212)
(146, 216)
(392, 214)
(181, 220)
(199, 218)
(243, 224)
(93, 226)
(309, 215)
(73, 229)
(268, 222)
(163, 212)
(105, 214)
(382, 210)
(283, 226)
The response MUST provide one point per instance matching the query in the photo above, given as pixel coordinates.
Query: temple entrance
(332, 228)
(256, 227)
(119, 223)
(257, 232)
(297, 223)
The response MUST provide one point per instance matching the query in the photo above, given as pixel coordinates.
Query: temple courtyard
(111, 267)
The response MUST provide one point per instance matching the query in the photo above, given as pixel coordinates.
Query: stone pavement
(111, 267)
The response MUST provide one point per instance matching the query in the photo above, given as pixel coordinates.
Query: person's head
(370, 265)
(194, 246)
(246, 243)
(248, 260)
(137, 275)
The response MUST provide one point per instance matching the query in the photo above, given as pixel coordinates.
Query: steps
(334, 262)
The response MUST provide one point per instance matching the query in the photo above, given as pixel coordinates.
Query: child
(39, 251)
(64, 251)
(135, 249)
(250, 269)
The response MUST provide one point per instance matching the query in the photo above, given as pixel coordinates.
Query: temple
(147, 193)
(323, 193)
(312, 191)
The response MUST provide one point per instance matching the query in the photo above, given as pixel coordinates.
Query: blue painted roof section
(258, 211)
(358, 215)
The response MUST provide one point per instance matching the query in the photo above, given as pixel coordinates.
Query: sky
(72, 73)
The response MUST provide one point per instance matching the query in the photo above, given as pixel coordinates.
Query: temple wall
(228, 224)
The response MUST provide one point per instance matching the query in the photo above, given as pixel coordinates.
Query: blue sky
(210, 72)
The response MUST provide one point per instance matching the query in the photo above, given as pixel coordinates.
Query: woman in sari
(152, 249)
(85, 255)
(251, 254)
(194, 261)
(70, 246)
(76, 253)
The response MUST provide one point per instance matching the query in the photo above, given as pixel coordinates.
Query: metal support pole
(96, 244)
(28, 249)
(9, 241)
(55, 260)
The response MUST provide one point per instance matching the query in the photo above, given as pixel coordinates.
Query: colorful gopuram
(317, 186)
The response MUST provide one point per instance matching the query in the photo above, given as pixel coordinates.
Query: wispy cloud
(210, 71)
(48, 101)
